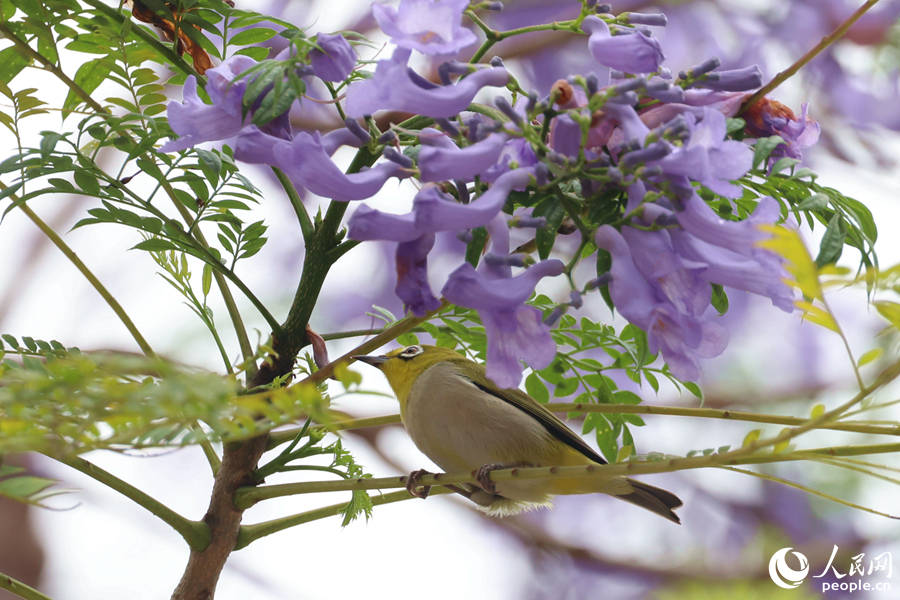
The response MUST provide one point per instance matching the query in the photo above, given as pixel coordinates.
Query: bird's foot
(412, 482)
(483, 476)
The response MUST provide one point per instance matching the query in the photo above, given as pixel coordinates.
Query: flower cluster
(631, 130)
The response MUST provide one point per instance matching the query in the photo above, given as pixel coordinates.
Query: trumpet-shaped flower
(514, 330)
(442, 160)
(629, 53)
(429, 26)
(336, 59)
(396, 87)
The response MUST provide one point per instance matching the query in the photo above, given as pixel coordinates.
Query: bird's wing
(551, 422)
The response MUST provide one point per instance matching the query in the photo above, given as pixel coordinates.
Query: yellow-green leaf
(782, 446)
(869, 356)
(817, 411)
(788, 244)
(888, 310)
(624, 453)
(817, 315)
(751, 437)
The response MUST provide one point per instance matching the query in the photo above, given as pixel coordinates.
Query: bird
(462, 421)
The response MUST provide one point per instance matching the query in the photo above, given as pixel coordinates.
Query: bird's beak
(375, 361)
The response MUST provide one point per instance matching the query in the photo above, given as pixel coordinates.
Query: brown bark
(203, 569)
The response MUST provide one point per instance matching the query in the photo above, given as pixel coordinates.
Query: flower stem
(20, 589)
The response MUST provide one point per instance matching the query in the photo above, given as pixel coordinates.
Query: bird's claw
(412, 482)
(483, 477)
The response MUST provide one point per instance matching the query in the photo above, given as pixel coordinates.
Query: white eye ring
(412, 351)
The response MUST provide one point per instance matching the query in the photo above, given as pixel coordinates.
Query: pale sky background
(107, 547)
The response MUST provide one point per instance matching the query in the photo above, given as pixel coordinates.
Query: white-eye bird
(463, 422)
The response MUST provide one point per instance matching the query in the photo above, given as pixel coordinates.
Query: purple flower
(307, 161)
(629, 53)
(770, 117)
(514, 330)
(441, 160)
(336, 59)
(196, 122)
(396, 87)
(412, 275)
(698, 219)
(516, 153)
(429, 26)
(708, 157)
(435, 213)
(671, 311)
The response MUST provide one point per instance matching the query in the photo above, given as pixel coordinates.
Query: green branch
(306, 225)
(251, 533)
(195, 533)
(20, 589)
(815, 51)
(247, 496)
(148, 38)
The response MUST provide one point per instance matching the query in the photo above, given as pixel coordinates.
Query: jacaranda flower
(629, 53)
(395, 86)
(442, 160)
(412, 275)
(514, 330)
(336, 59)
(429, 26)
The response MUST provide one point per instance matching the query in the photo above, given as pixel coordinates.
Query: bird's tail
(652, 498)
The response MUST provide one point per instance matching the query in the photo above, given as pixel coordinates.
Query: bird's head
(404, 365)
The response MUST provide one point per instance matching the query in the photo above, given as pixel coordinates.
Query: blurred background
(99, 545)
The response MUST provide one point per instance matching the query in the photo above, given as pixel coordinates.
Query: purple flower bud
(575, 299)
(593, 284)
(703, 68)
(462, 190)
(304, 71)
(465, 235)
(508, 110)
(508, 260)
(388, 137)
(629, 85)
(496, 61)
(448, 126)
(736, 80)
(494, 6)
(616, 74)
(541, 174)
(451, 67)
(644, 30)
(665, 92)
(532, 102)
(528, 222)
(651, 171)
(554, 316)
(394, 156)
(615, 175)
(592, 84)
(357, 130)
(655, 20)
(628, 98)
(336, 59)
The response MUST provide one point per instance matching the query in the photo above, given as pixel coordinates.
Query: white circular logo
(783, 575)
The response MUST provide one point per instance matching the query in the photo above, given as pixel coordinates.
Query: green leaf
(626, 397)
(832, 244)
(751, 437)
(764, 147)
(545, 237)
(869, 356)
(88, 76)
(252, 36)
(719, 299)
(258, 53)
(814, 202)
(536, 388)
(155, 245)
(87, 183)
(12, 61)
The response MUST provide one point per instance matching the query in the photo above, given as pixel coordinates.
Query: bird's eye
(412, 351)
